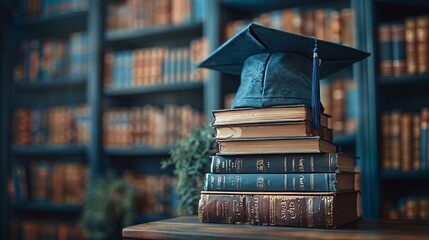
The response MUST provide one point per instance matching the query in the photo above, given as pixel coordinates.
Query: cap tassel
(315, 89)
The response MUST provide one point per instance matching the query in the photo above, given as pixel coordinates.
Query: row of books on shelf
(59, 183)
(404, 46)
(33, 8)
(154, 66)
(57, 125)
(135, 14)
(155, 194)
(149, 125)
(40, 229)
(410, 208)
(331, 24)
(45, 181)
(274, 168)
(52, 59)
(404, 140)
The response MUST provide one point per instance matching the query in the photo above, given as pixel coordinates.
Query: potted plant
(190, 160)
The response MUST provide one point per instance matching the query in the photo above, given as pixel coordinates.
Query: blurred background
(95, 94)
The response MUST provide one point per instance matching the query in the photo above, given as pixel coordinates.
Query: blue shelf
(53, 83)
(138, 151)
(182, 86)
(143, 35)
(43, 25)
(412, 175)
(346, 139)
(407, 80)
(48, 150)
(47, 207)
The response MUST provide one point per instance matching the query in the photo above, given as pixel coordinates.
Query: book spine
(422, 36)
(398, 49)
(395, 140)
(410, 45)
(385, 46)
(270, 182)
(406, 141)
(273, 210)
(292, 163)
(424, 138)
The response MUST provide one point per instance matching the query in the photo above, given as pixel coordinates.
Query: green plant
(109, 205)
(190, 160)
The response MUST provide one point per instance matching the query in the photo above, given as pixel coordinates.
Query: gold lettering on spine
(312, 163)
(285, 163)
(309, 211)
(312, 182)
(293, 164)
(272, 216)
(301, 164)
(293, 183)
(329, 208)
(301, 183)
(202, 209)
(260, 165)
(238, 165)
(218, 164)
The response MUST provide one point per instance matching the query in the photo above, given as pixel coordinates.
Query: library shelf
(168, 87)
(345, 139)
(255, 6)
(139, 36)
(65, 82)
(138, 151)
(48, 149)
(72, 21)
(411, 175)
(406, 80)
(47, 207)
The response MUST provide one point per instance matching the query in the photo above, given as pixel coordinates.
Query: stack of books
(274, 169)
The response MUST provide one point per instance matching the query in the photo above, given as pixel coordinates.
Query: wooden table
(191, 228)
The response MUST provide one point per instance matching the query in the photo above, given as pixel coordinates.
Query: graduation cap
(280, 68)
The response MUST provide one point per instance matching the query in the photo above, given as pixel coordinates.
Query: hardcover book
(271, 130)
(292, 182)
(283, 163)
(324, 210)
(265, 115)
(276, 145)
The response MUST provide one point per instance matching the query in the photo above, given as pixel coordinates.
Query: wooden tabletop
(191, 228)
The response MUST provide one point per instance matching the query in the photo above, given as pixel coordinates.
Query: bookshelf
(374, 93)
(399, 180)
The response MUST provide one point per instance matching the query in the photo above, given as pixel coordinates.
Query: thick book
(385, 52)
(283, 163)
(265, 115)
(271, 130)
(323, 210)
(271, 182)
(276, 145)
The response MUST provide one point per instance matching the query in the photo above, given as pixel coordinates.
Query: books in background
(410, 208)
(331, 24)
(404, 46)
(154, 66)
(44, 181)
(149, 125)
(131, 14)
(294, 185)
(37, 229)
(52, 59)
(404, 140)
(155, 194)
(59, 125)
(33, 8)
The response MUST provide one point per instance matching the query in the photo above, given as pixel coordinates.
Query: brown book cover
(265, 115)
(395, 140)
(406, 141)
(276, 145)
(422, 36)
(385, 141)
(416, 142)
(385, 52)
(398, 49)
(323, 210)
(410, 45)
(338, 106)
(271, 130)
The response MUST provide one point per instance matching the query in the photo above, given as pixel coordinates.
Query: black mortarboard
(280, 68)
